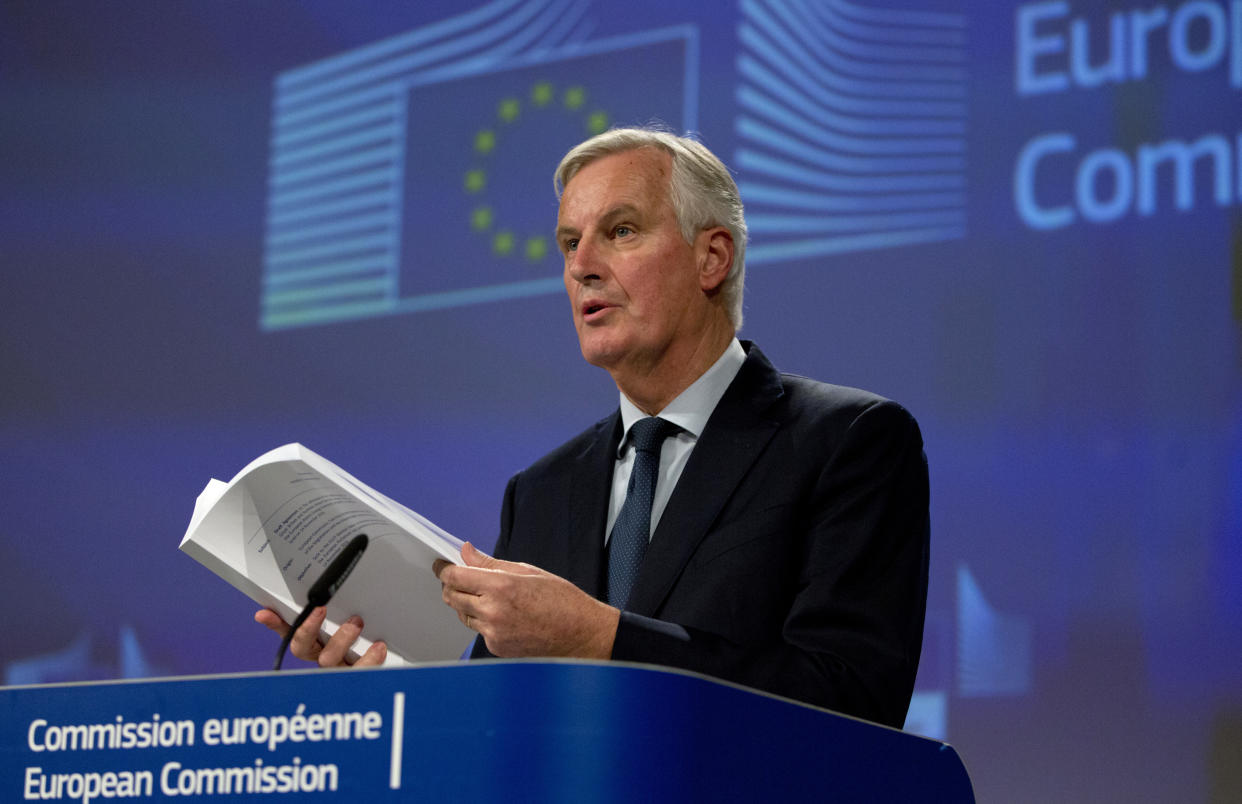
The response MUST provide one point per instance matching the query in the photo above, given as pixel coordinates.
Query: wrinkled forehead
(639, 178)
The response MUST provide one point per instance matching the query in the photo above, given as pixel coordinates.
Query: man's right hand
(306, 645)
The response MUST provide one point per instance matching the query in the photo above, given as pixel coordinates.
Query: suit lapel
(735, 435)
(590, 485)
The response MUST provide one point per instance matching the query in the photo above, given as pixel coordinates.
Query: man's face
(632, 278)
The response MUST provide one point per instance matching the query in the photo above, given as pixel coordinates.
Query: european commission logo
(402, 173)
(852, 123)
(414, 173)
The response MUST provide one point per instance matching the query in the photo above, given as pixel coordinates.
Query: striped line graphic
(335, 187)
(851, 127)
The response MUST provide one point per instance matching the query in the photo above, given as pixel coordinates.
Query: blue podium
(480, 731)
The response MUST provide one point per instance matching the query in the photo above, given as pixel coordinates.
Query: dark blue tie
(631, 532)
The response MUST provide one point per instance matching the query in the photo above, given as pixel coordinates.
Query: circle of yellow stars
(543, 95)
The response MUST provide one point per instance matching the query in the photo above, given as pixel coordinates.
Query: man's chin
(601, 355)
(599, 360)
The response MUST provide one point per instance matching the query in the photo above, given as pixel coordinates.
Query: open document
(273, 528)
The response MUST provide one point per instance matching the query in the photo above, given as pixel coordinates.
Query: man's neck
(652, 388)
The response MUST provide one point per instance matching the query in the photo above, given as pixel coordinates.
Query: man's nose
(586, 263)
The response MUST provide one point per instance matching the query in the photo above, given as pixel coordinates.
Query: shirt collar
(691, 409)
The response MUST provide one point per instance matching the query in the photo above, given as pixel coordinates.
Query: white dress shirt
(689, 411)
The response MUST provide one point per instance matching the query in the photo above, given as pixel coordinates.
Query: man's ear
(715, 257)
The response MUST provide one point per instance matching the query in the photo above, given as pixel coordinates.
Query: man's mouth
(590, 308)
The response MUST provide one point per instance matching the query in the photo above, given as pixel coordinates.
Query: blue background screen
(230, 226)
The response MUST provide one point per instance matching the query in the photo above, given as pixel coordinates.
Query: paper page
(208, 497)
(447, 545)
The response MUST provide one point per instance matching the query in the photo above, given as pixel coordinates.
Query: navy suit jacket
(792, 556)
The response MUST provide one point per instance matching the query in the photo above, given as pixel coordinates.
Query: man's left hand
(521, 610)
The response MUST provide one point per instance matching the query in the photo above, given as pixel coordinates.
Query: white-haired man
(784, 545)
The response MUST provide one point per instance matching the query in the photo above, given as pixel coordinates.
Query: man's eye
(622, 231)
(571, 244)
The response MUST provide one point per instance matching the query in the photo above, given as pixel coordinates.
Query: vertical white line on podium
(398, 734)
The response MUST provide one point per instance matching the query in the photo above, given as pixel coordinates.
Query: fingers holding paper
(521, 610)
(306, 645)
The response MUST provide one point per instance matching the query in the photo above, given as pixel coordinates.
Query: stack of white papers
(273, 528)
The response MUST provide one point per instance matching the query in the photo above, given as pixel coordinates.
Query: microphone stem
(284, 642)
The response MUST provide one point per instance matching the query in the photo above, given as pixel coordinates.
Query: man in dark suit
(784, 544)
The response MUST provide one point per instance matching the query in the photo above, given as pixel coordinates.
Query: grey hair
(701, 191)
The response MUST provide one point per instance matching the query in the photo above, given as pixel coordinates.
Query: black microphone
(325, 587)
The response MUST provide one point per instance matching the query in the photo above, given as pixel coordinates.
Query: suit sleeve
(853, 633)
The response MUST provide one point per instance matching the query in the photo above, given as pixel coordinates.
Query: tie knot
(647, 435)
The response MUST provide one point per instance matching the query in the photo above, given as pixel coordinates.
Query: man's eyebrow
(619, 211)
